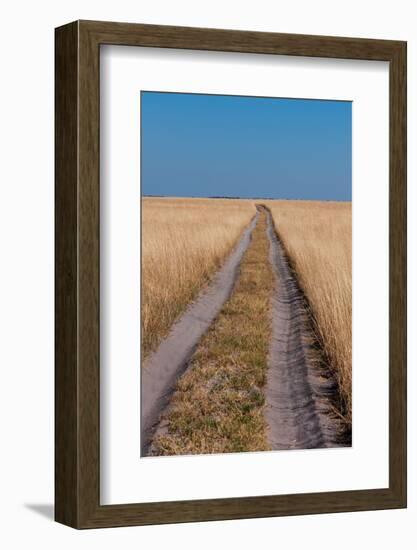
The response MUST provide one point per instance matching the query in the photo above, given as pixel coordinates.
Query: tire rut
(299, 389)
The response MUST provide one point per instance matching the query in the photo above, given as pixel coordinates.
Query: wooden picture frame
(77, 374)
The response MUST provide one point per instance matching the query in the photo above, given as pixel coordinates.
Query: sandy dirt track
(163, 367)
(299, 389)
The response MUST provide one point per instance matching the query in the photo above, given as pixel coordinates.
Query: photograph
(246, 273)
(209, 266)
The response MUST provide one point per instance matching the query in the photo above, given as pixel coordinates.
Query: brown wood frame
(77, 274)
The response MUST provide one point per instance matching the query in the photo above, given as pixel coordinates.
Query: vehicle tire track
(299, 389)
(163, 367)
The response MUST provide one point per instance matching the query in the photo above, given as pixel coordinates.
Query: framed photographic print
(230, 274)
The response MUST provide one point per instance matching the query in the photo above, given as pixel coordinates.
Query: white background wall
(26, 271)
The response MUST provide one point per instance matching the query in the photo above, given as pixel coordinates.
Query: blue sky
(214, 145)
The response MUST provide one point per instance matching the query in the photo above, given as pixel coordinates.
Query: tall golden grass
(318, 239)
(184, 241)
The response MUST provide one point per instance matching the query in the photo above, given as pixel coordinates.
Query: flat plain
(222, 399)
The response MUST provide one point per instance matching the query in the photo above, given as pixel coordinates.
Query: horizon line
(240, 198)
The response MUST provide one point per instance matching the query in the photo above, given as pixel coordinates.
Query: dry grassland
(184, 241)
(218, 405)
(318, 239)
